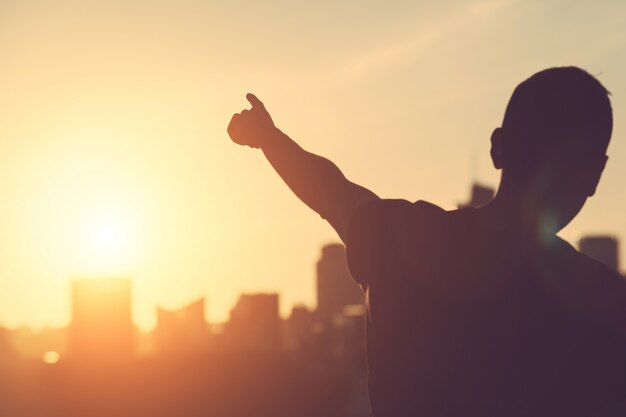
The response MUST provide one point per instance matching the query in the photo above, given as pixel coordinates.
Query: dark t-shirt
(464, 320)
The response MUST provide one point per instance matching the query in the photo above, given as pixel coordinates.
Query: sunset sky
(114, 157)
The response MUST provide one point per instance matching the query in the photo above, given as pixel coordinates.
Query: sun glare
(108, 242)
(109, 235)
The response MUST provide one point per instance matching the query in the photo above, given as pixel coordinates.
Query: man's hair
(561, 112)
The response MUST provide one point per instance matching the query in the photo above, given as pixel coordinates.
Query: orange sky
(115, 161)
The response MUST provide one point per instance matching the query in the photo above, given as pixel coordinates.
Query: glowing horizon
(115, 158)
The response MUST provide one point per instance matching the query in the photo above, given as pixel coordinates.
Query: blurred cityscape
(309, 364)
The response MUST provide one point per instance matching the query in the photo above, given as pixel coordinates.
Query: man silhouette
(482, 312)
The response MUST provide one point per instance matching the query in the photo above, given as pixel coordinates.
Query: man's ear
(596, 174)
(497, 138)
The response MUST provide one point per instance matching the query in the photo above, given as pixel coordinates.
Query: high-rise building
(101, 326)
(481, 195)
(181, 331)
(601, 248)
(254, 323)
(6, 351)
(335, 287)
(300, 327)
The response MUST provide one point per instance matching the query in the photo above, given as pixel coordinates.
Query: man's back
(470, 321)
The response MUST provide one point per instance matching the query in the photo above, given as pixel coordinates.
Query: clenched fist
(250, 127)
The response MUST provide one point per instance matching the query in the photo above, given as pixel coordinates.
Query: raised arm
(315, 180)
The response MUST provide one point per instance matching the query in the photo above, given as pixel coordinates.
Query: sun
(108, 242)
(109, 234)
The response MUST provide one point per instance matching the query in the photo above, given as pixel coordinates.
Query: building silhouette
(300, 327)
(6, 351)
(254, 323)
(181, 331)
(480, 196)
(335, 287)
(604, 249)
(101, 326)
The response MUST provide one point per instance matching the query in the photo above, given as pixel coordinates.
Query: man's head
(553, 140)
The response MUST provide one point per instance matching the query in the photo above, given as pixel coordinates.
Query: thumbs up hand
(250, 127)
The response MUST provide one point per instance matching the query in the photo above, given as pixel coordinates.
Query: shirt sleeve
(373, 237)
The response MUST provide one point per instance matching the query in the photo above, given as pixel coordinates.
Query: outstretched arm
(315, 180)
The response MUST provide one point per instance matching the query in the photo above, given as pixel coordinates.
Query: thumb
(255, 101)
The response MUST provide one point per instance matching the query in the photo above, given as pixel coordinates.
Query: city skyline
(115, 158)
(604, 248)
(333, 291)
(101, 366)
(101, 327)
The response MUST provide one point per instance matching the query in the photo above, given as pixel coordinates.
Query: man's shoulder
(401, 219)
(391, 220)
(381, 208)
(608, 275)
(591, 286)
(383, 232)
(592, 272)
(607, 284)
